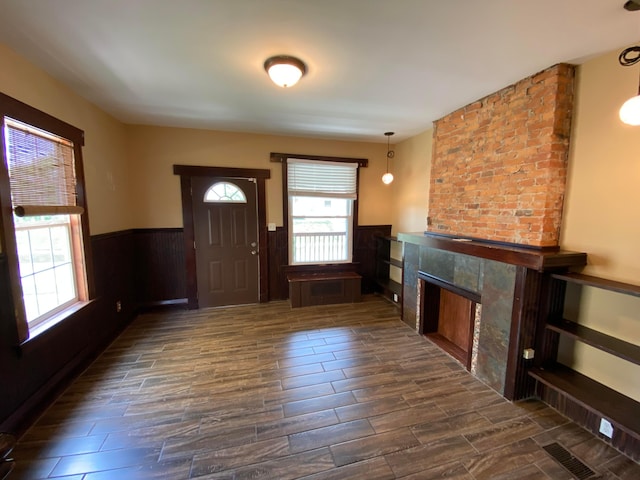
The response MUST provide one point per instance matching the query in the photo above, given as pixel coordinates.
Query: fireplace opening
(450, 317)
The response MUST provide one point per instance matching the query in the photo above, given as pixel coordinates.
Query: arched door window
(224, 192)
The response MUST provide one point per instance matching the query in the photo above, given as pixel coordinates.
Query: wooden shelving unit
(384, 262)
(593, 396)
(574, 394)
(612, 345)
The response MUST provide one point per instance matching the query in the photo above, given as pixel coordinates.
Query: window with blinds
(321, 196)
(47, 224)
(41, 169)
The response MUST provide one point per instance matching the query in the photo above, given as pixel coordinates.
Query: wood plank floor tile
(449, 426)
(270, 392)
(296, 424)
(113, 459)
(317, 404)
(312, 379)
(407, 417)
(428, 456)
(503, 433)
(231, 457)
(450, 471)
(288, 468)
(504, 460)
(373, 446)
(374, 469)
(325, 436)
(371, 408)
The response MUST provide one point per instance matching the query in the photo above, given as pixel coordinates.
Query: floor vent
(578, 469)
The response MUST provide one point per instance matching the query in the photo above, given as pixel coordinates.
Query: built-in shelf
(593, 396)
(392, 286)
(597, 282)
(388, 287)
(614, 346)
(567, 386)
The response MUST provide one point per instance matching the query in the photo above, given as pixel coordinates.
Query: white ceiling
(374, 65)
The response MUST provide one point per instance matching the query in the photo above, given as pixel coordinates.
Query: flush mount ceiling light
(285, 71)
(387, 178)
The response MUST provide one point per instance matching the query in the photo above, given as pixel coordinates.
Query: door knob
(254, 244)
(254, 252)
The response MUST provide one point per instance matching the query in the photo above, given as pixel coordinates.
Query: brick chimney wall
(499, 164)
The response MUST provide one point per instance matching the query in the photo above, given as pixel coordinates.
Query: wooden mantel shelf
(529, 257)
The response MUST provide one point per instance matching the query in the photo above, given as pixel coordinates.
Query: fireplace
(499, 290)
(450, 318)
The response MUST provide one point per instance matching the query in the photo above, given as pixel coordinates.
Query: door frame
(187, 172)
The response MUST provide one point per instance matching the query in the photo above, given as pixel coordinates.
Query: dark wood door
(226, 241)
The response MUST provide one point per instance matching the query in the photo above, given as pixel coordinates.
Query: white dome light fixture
(285, 71)
(387, 178)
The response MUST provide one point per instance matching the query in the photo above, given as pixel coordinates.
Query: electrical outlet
(395, 297)
(118, 306)
(606, 428)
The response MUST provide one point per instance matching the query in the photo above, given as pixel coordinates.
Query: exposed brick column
(499, 164)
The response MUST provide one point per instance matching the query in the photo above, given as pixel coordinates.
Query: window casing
(41, 183)
(321, 198)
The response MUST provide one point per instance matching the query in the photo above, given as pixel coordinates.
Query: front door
(226, 240)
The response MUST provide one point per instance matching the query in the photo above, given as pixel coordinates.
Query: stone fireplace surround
(509, 281)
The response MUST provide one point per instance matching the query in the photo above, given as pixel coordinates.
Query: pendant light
(630, 110)
(285, 71)
(387, 178)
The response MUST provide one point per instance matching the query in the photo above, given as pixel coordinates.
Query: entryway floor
(267, 392)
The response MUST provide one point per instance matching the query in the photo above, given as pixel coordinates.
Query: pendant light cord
(388, 139)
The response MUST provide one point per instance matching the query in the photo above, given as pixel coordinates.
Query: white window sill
(35, 332)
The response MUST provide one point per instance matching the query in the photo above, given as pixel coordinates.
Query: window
(41, 177)
(224, 192)
(321, 197)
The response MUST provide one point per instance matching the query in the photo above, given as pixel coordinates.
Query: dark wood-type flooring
(270, 392)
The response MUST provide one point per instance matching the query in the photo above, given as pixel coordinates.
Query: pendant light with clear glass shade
(387, 178)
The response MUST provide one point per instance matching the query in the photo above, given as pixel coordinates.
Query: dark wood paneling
(189, 242)
(159, 266)
(37, 371)
(524, 325)
(364, 253)
(282, 157)
(364, 259)
(278, 257)
(202, 171)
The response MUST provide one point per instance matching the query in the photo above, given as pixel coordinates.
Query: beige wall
(104, 153)
(156, 190)
(601, 215)
(411, 168)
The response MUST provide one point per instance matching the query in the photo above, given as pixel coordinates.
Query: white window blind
(41, 171)
(312, 178)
